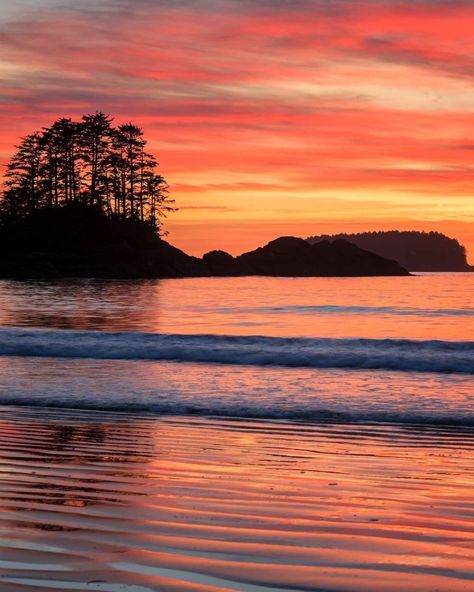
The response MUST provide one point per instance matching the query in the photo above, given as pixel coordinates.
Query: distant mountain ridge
(414, 250)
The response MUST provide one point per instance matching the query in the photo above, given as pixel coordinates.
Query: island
(416, 251)
(290, 256)
(84, 198)
(81, 241)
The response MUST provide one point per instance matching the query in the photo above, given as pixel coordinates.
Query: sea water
(253, 434)
(332, 349)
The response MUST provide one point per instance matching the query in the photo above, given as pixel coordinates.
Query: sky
(268, 118)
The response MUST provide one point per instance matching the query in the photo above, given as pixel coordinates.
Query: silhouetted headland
(290, 256)
(416, 251)
(77, 241)
(82, 241)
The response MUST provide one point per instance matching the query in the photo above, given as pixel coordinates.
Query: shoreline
(106, 501)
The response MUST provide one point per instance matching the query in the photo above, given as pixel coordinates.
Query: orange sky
(267, 117)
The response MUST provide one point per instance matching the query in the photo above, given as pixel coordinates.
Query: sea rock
(220, 263)
(291, 256)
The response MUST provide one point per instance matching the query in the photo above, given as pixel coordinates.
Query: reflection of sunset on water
(178, 388)
(427, 306)
(236, 434)
(225, 505)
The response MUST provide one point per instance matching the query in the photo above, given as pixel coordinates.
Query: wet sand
(112, 502)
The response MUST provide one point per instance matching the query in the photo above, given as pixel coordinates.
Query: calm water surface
(428, 306)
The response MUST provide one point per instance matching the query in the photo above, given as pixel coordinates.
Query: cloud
(258, 97)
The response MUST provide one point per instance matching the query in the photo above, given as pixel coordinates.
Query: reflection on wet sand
(95, 501)
(37, 454)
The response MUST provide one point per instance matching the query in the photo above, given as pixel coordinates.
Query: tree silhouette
(88, 163)
(415, 250)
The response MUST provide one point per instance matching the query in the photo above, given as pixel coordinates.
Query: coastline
(75, 241)
(111, 501)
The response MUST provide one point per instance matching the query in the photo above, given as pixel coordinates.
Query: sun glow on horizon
(267, 119)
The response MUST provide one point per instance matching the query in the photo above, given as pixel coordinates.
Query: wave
(356, 310)
(179, 408)
(373, 354)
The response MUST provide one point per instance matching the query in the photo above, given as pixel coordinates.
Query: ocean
(254, 434)
(352, 349)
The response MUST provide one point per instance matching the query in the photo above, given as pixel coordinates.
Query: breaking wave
(373, 354)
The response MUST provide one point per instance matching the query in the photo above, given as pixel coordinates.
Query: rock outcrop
(291, 256)
(82, 242)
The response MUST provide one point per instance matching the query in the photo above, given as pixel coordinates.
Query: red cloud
(374, 96)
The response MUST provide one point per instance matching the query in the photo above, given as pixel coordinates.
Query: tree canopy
(88, 162)
(415, 250)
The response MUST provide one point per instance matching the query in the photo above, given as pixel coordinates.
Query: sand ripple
(112, 502)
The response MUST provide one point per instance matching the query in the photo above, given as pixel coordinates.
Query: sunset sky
(268, 117)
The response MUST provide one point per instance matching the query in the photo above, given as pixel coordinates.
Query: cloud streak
(243, 97)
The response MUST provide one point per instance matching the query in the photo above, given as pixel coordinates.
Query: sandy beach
(110, 501)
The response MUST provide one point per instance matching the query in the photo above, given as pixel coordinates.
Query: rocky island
(291, 256)
(417, 251)
(84, 199)
(78, 241)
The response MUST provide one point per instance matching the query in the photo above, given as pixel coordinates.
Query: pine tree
(88, 163)
(95, 144)
(24, 181)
